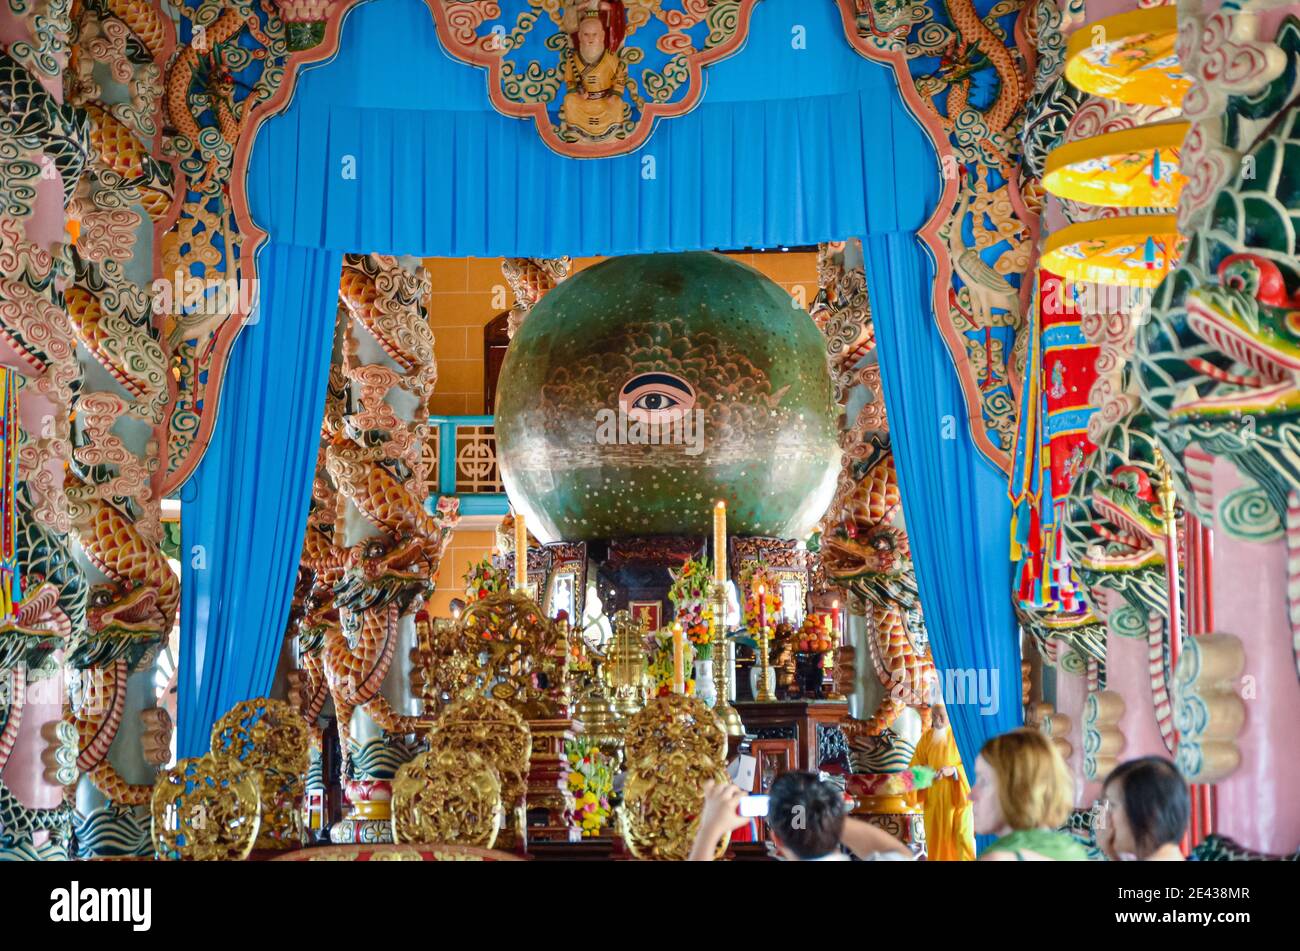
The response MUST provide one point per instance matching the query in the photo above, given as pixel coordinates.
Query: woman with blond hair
(1023, 792)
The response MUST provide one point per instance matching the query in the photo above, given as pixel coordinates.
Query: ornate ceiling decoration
(593, 75)
(963, 71)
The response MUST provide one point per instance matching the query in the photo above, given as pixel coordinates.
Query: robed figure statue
(594, 75)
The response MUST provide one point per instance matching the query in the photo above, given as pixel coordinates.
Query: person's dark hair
(806, 813)
(1155, 800)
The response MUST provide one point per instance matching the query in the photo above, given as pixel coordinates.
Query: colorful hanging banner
(1051, 446)
(10, 592)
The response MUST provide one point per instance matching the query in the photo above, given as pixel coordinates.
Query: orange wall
(467, 294)
(467, 546)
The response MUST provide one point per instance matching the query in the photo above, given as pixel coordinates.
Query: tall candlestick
(765, 694)
(720, 542)
(521, 551)
(679, 651)
(723, 666)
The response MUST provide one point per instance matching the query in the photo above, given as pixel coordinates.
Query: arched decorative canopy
(383, 141)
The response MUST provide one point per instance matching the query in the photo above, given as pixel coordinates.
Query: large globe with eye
(643, 389)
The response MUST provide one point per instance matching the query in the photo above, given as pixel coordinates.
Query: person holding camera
(806, 818)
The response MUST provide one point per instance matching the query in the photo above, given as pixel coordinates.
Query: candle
(835, 615)
(521, 552)
(679, 651)
(720, 542)
(762, 611)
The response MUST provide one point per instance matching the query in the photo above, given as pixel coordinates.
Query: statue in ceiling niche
(594, 75)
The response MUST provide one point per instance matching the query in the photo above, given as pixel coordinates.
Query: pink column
(24, 771)
(1071, 694)
(1257, 805)
(1128, 674)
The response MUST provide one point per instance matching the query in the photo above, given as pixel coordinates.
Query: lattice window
(429, 456)
(476, 461)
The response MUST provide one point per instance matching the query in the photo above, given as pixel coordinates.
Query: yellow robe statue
(607, 78)
(949, 832)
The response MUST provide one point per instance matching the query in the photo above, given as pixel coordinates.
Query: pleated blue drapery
(954, 501)
(393, 147)
(244, 512)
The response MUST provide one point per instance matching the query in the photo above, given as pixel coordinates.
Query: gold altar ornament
(495, 732)
(447, 796)
(627, 665)
(595, 711)
(268, 737)
(521, 654)
(722, 666)
(674, 724)
(673, 747)
(201, 811)
(521, 552)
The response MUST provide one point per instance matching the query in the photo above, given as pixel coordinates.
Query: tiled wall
(467, 294)
(467, 547)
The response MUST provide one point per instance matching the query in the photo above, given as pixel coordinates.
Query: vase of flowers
(692, 584)
(591, 781)
(483, 579)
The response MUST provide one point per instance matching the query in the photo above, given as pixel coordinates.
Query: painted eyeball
(101, 598)
(656, 392)
(1240, 273)
(1293, 322)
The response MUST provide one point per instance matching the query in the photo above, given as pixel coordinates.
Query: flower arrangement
(484, 578)
(591, 780)
(690, 596)
(752, 579)
(661, 662)
(910, 780)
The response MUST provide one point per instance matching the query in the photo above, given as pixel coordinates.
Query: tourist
(1023, 792)
(805, 817)
(1144, 812)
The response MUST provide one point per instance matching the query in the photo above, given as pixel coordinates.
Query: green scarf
(1059, 846)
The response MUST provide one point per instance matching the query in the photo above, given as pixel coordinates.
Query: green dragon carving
(1115, 537)
(1218, 360)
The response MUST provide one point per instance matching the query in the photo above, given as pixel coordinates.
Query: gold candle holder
(764, 693)
(722, 708)
(1168, 498)
(521, 553)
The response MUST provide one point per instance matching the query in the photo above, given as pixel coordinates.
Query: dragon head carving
(1218, 362)
(1114, 531)
(868, 551)
(383, 570)
(1252, 315)
(319, 614)
(122, 620)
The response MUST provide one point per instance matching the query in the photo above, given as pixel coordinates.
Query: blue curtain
(245, 509)
(395, 148)
(954, 500)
